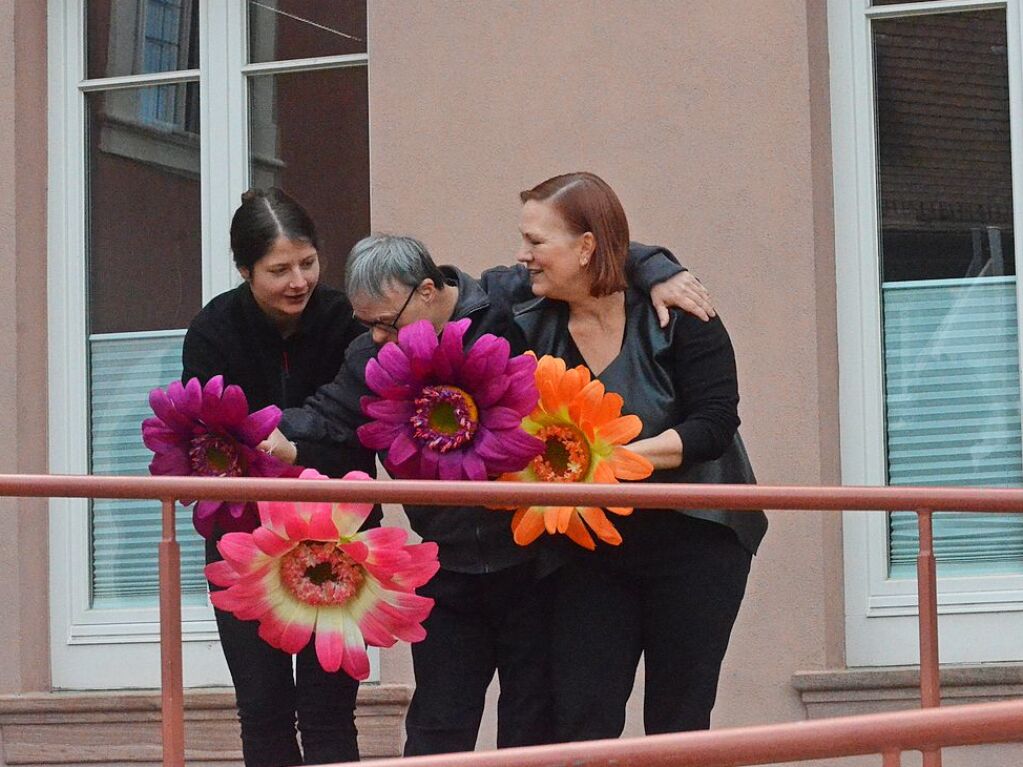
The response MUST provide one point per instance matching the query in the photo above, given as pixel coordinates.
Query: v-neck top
(681, 377)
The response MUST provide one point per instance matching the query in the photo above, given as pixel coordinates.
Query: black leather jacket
(681, 377)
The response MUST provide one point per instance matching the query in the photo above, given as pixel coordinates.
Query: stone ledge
(123, 727)
(845, 692)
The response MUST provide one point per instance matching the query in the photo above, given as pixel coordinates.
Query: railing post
(172, 683)
(892, 759)
(927, 592)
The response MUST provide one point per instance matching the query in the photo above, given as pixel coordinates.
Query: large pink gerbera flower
(208, 431)
(442, 412)
(308, 569)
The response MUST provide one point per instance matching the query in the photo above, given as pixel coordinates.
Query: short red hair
(588, 204)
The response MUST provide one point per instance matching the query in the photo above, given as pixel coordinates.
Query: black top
(681, 377)
(232, 337)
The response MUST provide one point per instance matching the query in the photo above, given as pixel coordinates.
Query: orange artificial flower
(583, 429)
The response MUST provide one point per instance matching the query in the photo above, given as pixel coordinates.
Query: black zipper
(285, 375)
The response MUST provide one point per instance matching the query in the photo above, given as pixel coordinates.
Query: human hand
(279, 446)
(663, 451)
(683, 291)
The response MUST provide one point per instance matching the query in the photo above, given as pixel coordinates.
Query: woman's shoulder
(220, 309)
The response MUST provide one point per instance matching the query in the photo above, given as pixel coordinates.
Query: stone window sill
(846, 692)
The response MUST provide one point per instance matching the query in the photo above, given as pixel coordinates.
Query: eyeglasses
(391, 326)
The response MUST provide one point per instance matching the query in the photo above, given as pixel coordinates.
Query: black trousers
(481, 624)
(270, 693)
(671, 592)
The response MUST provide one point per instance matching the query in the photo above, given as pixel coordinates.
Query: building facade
(840, 174)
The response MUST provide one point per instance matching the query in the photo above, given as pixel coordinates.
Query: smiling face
(555, 257)
(282, 281)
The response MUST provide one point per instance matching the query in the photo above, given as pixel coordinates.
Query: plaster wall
(24, 661)
(712, 126)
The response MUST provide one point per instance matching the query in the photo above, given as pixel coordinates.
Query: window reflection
(944, 169)
(130, 37)
(309, 136)
(280, 30)
(144, 236)
(951, 347)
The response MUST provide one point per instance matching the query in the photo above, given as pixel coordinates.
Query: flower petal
(629, 465)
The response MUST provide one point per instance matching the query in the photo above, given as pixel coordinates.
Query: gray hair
(380, 260)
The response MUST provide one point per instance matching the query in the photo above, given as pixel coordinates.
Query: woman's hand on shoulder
(685, 292)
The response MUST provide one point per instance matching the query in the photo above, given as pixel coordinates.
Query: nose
(381, 335)
(297, 279)
(523, 255)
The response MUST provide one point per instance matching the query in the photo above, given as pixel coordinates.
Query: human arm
(652, 269)
(706, 388)
(656, 270)
(323, 428)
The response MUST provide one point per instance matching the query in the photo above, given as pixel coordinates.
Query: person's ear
(587, 247)
(427, 290)
(245, 273)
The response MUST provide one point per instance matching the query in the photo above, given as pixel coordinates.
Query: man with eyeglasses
(490, 595)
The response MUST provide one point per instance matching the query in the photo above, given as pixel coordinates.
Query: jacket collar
(257, 318)
(471, 296)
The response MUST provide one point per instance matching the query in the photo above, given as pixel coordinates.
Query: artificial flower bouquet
(207, 431)
(442, 412)
(307, 570)
(298, 568)
(582, 429)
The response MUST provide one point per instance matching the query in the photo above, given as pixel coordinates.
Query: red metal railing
(926, 731)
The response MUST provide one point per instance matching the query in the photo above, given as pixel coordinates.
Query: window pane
(144, 238)
(126, 534)
(952, 387)
(131, 37)
(280, 30)
(310, 137)
(944, 172)
(144, 259)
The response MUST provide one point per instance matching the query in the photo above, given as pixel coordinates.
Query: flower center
(319, 573)
(214, 455)
(566, 455)
(445, 417)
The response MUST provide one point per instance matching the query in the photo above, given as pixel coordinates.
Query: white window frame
(981, 618)
(119, 648)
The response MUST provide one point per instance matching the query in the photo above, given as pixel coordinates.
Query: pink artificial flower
(309, 570)
(207, 431)
(443, 412)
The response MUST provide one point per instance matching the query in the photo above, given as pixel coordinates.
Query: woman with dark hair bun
(671, 589)
(280, 335)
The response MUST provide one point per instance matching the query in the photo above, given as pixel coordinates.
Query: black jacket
(232, 337)
(681, 377)
(470, 539)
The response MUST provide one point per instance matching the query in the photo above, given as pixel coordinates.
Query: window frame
(981, 617)
(84, 640)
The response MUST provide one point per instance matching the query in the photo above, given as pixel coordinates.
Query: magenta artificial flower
(307, 569)
(207, 431)
(443, 412)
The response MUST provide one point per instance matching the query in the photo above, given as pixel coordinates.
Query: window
(925, 108)
(162, 113)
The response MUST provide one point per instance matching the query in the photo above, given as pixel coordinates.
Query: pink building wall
(24, 630)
